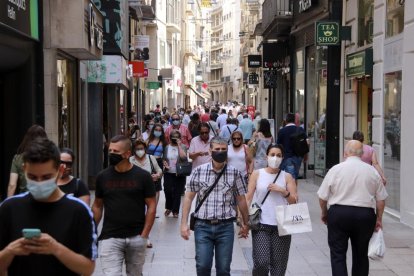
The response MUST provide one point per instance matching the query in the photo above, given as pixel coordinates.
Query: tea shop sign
(327, 33)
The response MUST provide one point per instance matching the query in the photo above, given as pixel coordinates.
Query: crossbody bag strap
(152, 165)
(268, 192)
(210, 189)
(215, 134)
(156, 147)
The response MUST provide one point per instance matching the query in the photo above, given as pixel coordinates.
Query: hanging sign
(327, 33)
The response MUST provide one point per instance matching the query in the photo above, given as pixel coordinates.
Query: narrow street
(309, 253)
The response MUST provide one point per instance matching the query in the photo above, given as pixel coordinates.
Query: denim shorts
(292, 165)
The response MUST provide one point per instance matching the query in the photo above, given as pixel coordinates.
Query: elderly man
(177, 125)
(214, 227)
(356, 196)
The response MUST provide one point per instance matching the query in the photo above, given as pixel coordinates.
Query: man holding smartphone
(200, 146)
(58, 230)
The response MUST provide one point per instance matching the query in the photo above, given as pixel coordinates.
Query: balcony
(216, 45)
(216, 64)
(276, 18)
(173, 19)
(191, 50)
(216, 27)
(214, 83)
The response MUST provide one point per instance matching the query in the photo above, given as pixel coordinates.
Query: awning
(196, 92)
(206, 94)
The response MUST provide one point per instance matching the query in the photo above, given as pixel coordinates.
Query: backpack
(299, 143)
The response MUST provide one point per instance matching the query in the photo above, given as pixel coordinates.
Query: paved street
(309, 253)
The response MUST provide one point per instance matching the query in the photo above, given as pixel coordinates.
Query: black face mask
(219, 156)
(115, 159)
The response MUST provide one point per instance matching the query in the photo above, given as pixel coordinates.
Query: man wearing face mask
(176, 125)
(64, 239)
(127, 193)
(214, 226)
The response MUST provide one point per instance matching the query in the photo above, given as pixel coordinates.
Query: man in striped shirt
(214, 227)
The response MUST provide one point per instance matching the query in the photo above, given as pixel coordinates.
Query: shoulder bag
(255, 210)
(183, 168)
(192, 217)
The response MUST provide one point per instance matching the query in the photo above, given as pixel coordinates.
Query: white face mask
(140, 153)
(41, 189)
(274, 161)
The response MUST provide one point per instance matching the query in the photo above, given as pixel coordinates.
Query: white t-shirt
(237, 159)
(172, 156)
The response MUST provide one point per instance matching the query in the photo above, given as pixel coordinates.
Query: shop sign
(254, 61)
(253, 78)
(274, 55)
(304, 5)
(359, 64)
(111, 69)
(153, 85)
(21, 15)
(327, 33)
(95, 31)
(269, 79)
(138, 70)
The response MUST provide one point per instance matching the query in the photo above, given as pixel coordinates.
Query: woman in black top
(69, 184)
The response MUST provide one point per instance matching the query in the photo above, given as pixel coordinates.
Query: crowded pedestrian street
(309, 253)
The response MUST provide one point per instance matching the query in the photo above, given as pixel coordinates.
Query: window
(395, 17)
(392, 135)
(365, 22)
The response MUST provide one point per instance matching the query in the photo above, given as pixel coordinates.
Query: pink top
(185, 134)
(197, 145)
(367, 155)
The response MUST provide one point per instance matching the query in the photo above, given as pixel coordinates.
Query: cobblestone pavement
(309, 253)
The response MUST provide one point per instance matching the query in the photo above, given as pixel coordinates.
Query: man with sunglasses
(200, 146)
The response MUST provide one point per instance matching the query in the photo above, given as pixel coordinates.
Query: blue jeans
(292, 165)
(113, 252)
(213, 240)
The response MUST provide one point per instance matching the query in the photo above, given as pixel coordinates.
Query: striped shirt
(221, 202)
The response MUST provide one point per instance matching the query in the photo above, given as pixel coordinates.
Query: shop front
(21, 78)
(315, 88)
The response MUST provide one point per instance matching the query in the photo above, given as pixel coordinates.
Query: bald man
(356, 196)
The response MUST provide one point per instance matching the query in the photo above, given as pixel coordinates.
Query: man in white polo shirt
(356, 196)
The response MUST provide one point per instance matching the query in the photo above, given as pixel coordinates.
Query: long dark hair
(151, 137)
(35, 131)
(264, 127)
(275, 146)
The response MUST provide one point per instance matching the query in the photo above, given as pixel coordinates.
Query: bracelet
(288, 194)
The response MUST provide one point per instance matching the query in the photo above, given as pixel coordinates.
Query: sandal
(167, 212)
(175, 215)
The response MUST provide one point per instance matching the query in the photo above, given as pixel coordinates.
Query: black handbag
(183, 168)
(255, 210)
(192, 217)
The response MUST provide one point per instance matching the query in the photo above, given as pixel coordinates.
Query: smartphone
(30, 233)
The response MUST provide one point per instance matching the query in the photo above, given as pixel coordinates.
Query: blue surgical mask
(157, 133)
(176, 122)
(41, 189)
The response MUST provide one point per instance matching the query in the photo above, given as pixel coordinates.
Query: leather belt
(216, 221)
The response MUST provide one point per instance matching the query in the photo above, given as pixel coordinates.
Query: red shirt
(205, 117)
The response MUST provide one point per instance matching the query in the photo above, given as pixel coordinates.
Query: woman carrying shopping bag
(270, 187)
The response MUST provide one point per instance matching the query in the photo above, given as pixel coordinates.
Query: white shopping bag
(293, 219)
(376, 247)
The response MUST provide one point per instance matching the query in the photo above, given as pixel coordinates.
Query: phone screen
(30, 233)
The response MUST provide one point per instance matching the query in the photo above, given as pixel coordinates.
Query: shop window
(300, 83)
(392, 136)
(365, 22)
(395, 17)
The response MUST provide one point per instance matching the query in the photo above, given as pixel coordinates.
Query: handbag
(192, 217)
(376, 247)
(255, 210)
(183, 168)
(293, 219)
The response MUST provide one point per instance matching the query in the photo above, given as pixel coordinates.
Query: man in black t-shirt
(66, 242)
(127, 194)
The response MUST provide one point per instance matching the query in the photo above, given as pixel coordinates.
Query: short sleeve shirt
(123, 196)
(221, 202)
(75, 187)
(17, 167)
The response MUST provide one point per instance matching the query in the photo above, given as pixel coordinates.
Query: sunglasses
(236, 139)
(67, 163)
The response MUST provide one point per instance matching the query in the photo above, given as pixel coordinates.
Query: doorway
(364, 92)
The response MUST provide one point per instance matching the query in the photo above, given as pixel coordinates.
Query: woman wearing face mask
(270, 251)
(148, 127)
(69, 184)
(148, 163)
(155, 147)
(174, 152)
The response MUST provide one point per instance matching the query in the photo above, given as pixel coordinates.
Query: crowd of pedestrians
(235, 162)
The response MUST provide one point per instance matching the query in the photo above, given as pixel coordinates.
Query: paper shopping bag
(293, 219)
